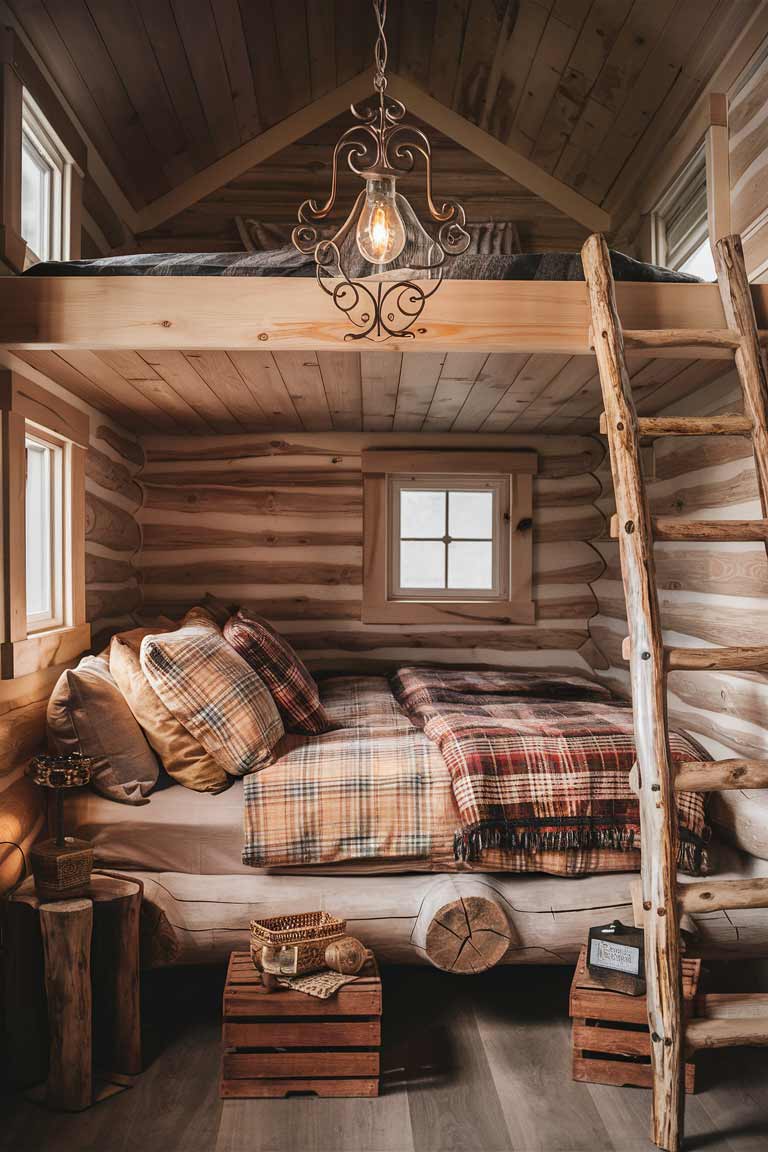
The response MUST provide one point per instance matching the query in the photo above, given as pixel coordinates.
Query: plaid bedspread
(540, 762)
(374, 795)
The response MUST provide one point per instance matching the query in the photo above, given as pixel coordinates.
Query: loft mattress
(288, 262)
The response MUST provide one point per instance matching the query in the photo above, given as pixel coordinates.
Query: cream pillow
(183, 757)
(211, 690)
(87, 714)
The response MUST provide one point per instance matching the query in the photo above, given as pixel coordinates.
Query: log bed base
(662, 901)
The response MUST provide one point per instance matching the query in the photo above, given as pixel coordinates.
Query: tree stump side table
(72, 991)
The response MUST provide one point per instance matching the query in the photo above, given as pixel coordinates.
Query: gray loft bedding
(288, 262)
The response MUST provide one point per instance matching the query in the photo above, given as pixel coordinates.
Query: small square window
(44, 533)
(448, 535)
(44, 186)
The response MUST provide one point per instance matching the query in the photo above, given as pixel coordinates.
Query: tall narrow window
(680, 225)
(44, 533)
(44, 186)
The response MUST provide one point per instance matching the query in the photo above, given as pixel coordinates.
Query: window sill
(454, 612)
(43, 650)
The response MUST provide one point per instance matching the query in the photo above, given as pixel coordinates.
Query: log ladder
(663, 900)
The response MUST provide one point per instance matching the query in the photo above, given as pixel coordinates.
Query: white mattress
(178, 831)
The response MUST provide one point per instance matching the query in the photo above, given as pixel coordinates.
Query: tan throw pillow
(211, 690)
(182, 756)
(88, 714)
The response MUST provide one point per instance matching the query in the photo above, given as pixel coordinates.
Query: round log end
(467, 936)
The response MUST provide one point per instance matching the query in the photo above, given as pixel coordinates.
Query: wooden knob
(346, 955)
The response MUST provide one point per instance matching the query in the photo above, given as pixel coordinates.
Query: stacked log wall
(710, 593)
(277, 524)
(112, 593)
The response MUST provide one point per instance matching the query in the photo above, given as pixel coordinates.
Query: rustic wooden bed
(144, 350)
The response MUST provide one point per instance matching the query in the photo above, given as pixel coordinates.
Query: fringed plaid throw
(540, 761)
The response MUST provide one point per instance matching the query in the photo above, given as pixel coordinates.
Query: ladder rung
(741, 659)
(731, 531)
(732, 1005)
(714, 775)
(716, 895)
(688, 425)
(735, 531)
(752, 1030)
(681, 338)
(708, 659)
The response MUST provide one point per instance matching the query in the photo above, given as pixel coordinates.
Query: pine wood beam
(266, 144)
(500, 156)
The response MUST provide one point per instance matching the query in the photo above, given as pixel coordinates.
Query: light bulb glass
(380, 229)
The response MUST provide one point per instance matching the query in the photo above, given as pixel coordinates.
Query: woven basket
(293, 945)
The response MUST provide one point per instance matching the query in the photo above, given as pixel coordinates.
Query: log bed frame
(659, 320)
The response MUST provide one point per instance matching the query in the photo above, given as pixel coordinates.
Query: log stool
(72, 987)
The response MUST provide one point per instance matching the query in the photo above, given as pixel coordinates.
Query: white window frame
(29, 644)
(41, 137)
(511, 599)
(59, 486)
(499, 486)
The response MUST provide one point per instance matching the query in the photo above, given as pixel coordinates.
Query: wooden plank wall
(748, 135)
(278, 524)
(112, 541)
(709, 593)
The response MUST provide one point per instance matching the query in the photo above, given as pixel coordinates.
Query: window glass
(470, 515)
(39, 531)
(36, 191)
(422, 514)
(422, 564)
(701, 263)
(470, 564)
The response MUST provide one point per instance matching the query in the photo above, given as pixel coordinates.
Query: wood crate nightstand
(611, 1044)
(281, 1043)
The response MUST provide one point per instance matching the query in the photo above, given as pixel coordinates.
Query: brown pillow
(88, 714)
(183, 757)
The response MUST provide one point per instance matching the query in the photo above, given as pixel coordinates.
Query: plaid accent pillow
(217, 697)
(292, 687)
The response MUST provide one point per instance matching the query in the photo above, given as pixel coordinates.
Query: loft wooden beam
(266, 144)
(499, 155)
(276, 313)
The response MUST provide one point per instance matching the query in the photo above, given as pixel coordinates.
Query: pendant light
(382, 235)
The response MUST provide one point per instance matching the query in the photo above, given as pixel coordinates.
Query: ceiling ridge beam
(266, 144)
(501, 156)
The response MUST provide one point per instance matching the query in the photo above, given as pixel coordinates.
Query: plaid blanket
(540, 762)
(374, 795)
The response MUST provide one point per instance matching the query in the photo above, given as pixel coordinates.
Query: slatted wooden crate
(285, 1042)
(611, 1042)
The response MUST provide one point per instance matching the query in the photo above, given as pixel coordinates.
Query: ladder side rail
(739, 312)
(658, 812)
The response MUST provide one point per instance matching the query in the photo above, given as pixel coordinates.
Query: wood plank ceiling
(267, 197)
(164, 87)
(218, 392)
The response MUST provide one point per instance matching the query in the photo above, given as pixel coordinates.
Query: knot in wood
(629, 527)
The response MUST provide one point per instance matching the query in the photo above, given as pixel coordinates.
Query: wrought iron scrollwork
(381, 143)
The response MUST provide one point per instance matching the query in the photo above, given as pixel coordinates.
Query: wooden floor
(473, 1064)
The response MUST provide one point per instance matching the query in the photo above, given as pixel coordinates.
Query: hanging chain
(380, 51)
